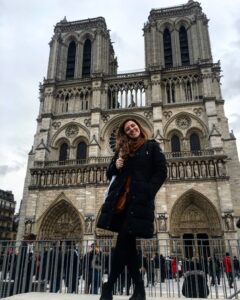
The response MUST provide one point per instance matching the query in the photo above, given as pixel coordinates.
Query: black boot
(139, 291)
(106, 292)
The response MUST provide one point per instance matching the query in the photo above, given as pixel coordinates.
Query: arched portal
(195, 220)
(61, 222)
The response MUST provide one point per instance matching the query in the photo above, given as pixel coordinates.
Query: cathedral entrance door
(188, 244)
(61, 222)
(196, 245)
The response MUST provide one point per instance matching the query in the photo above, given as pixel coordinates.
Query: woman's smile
(131, 129)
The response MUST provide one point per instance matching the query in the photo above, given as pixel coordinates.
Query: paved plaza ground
(170, 289)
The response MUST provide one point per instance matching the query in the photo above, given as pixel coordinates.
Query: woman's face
(132, 130)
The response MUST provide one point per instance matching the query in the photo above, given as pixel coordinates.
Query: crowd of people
(63, 266)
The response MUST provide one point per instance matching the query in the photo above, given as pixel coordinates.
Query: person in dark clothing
(214, 268)
(55, 268)
(139, 169)
(236, 267)
(23, 268)
(71, 268)
(88, 274)
(195, 281)
(162, 268)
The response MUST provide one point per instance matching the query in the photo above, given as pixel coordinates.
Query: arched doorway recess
(195, 222)
(61, 222)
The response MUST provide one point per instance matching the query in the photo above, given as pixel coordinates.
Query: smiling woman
(139, 168)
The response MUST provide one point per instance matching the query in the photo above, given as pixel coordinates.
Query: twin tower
(177, 98)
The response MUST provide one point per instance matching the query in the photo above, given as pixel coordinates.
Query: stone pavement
(52, 296)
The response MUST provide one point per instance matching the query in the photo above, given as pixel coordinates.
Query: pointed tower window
(175, 144)
(63, 153)
(81, 152)
(183, 39)
(170, 91)
(167, 45)
(87, 52)
(194, 142)
(71, 60)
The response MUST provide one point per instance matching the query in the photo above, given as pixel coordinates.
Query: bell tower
(80, 49)
(177, 37)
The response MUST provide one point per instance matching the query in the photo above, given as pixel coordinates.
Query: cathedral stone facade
(177, 98)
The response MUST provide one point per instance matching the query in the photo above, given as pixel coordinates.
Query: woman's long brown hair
(122, 140)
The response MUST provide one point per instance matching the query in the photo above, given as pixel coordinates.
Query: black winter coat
(148, 171)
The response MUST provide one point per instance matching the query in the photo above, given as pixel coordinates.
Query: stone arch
(164, 25)
(115, 122)
(195, 122)
(86, 35)
(61, 221)
(171, 133)
(200, 134)
(67, 39)
(83, 131)
(194, 213)
(183, 21)
(62, 140)
(78, 140)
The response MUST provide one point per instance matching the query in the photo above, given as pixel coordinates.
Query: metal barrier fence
(170, 268)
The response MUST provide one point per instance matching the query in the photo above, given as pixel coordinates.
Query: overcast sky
(26, 27)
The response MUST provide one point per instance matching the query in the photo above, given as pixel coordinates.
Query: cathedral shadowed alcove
(61, 222)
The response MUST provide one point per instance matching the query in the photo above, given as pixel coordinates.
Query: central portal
(196, 245)
(194, 220)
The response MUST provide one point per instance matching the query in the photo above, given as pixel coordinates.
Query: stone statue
(211, 169)
(203, 169)
(28, 227)
(188, 170)
(221, 168)
(88, 225)
(174, 171)
(195, 169)
(162, 223)
(229, 222)
(181, 171)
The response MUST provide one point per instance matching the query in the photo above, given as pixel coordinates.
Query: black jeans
(125, 253)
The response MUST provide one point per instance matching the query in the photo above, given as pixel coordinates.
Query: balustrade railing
(72, 162)
(69, 173)
(195, 268)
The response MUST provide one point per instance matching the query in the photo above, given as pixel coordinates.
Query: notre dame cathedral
(177, 99)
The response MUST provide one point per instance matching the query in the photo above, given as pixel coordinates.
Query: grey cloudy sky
(26, 27)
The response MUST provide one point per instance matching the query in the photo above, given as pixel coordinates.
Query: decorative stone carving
(198, 111)
(56, 125)
(87, 122)
(183, 122)
(71, 131)
(112, 139)
(161, 222)
(105, 118)
(228, 222)
(195, 169)
(167, 114)
(221, 168)
(89, 225)
(211, 167)
(174, 171)
(181, 171)
(148, 114)
(28, 225)
(188, 170)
